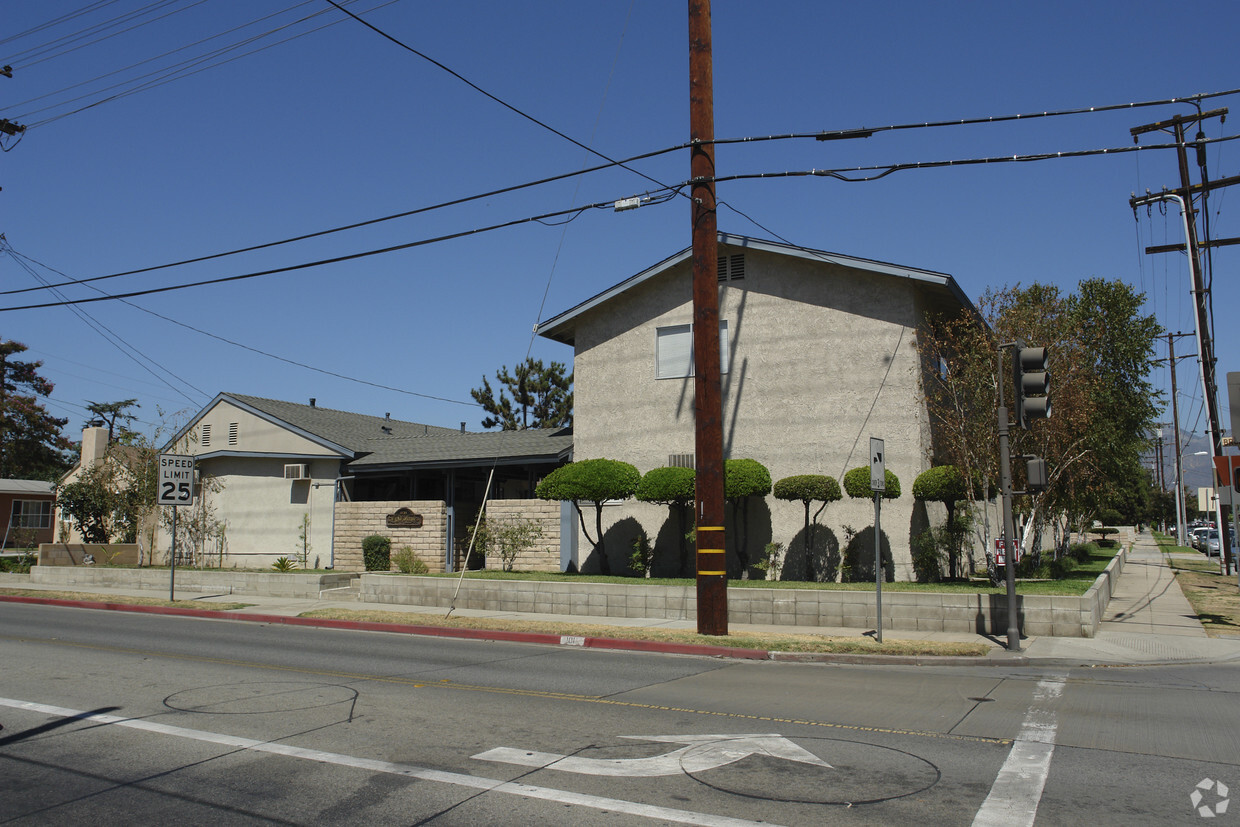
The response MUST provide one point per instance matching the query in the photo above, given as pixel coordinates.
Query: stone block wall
(544, 553)
(74, 554)
(357, 520)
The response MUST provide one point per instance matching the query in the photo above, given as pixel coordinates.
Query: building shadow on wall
(859, 557)
(821, 565)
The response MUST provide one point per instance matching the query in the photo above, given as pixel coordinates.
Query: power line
(321, 262)
(405, 214)
(114, 338)
(234, 343)
(495, 98)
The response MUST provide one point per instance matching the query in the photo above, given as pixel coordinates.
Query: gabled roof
(376, 442)
(561, 327)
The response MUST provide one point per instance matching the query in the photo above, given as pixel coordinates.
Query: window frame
(19, 518)
(674, 369)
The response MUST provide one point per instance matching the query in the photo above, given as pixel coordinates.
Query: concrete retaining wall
(902, 611)
(276, 584)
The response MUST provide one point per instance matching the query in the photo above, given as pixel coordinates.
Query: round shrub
(745, 478)
(857, 484)
(808, 488)
(377, 553)
(667, 486)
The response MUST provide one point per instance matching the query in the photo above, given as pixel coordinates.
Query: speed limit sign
(176, 480)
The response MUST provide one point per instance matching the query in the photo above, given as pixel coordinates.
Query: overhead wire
(496, 98)
(321, 262)
(64, 18)
(256, 350)
(43, 57)
(358, 224)
(116, 340)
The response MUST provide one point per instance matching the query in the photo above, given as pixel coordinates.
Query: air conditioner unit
(296, 472)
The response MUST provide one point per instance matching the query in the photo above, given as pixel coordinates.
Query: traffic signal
(1036, 479)
(1033, 385)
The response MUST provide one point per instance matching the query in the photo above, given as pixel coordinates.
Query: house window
(674, 350)
(232, 433)
(731, 268)
(206, 435)
(31, 514)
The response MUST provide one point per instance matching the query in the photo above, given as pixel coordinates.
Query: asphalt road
(110, 717)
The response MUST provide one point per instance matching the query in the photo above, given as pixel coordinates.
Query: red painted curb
(414, 629)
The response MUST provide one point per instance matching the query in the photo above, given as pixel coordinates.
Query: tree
(742, 479)
(944, 484)
(595, 481)
(806, 489)
(532, 396)
(673, 487)
(117, 417)
(31, 444)
(109, 500)
(1104, 407)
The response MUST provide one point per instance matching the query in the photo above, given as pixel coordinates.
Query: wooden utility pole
(712, 574)
(1200, 294)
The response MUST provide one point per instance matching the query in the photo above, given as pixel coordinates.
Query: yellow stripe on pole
(710, 528)
(713, 572)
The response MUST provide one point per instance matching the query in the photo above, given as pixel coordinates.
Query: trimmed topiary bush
(806, 489)
(595, 481)
(673, 487)
(377, 553)
(744, 478)
(857, 484)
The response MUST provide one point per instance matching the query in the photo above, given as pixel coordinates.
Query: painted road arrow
(702, 752)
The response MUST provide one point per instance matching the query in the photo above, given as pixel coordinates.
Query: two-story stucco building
(819, 353)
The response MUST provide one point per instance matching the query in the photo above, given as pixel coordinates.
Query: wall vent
(297, 471)
(680, 460)
(206, 435)
(232, 433)
(731, 268)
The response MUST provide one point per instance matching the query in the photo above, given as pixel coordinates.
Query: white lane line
(1014, 797)
(459, 779)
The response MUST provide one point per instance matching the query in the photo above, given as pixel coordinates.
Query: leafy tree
(31, 444)
(673, 487)
(742, 479)
(944, 484)
(117, 417)
(109, 500)
(806, 489)
(533, 395)
(595, 481)
(1104, 407)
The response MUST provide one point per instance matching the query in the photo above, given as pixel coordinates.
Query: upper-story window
(674, 350)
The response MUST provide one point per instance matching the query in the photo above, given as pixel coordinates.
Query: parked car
(1212, 547)
(1197, 537)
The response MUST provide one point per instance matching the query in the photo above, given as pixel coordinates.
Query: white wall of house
(820, 358)
(241, 463)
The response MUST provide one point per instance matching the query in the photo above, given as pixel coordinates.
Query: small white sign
(878, 466)
(176, 480)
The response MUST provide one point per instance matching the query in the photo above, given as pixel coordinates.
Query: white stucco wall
(822, 357)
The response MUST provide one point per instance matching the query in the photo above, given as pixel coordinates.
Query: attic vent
(296, 472)
(206, 435)
(680, 460)
(232, 433)
(732, 268)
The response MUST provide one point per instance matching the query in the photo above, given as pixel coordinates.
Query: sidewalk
(1148, 621)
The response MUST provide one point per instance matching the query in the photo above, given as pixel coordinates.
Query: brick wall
(544, 554)
(357, 520)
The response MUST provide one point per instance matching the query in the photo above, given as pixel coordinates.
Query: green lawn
(1076, 582)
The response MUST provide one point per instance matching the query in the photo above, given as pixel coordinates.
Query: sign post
(176, 488)
(878, 484)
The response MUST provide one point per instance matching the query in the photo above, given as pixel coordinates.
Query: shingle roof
(454, 448)
(27, 487)
(377, 442)
(349, 430)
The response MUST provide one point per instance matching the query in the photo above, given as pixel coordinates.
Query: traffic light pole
(1008, 530)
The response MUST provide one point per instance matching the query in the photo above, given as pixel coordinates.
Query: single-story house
(30, 505)
(283, 479)
(819, 353)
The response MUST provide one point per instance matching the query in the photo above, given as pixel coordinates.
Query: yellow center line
(445, 683)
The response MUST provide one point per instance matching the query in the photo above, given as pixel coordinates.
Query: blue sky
(341, 125)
